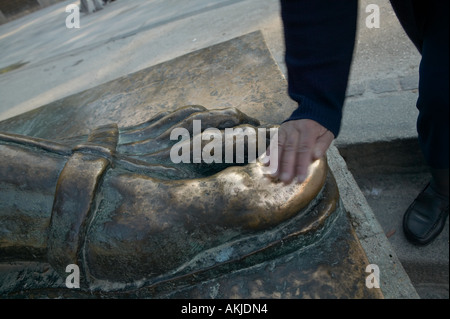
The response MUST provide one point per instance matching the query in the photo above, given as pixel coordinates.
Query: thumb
(322, 144)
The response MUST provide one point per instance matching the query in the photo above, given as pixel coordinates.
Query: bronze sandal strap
(75, 196)
(39, 143)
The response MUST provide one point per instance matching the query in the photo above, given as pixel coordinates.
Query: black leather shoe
(425, 219)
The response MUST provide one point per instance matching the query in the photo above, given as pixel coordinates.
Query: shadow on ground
(390, 175)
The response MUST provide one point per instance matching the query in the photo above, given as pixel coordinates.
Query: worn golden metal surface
(122, 224)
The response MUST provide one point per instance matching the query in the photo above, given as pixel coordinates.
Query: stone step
(390, 175)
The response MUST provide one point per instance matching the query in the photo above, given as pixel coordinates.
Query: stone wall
(13, 9)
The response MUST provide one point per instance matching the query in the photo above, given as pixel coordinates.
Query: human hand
(300, 143)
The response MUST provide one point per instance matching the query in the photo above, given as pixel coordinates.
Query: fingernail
(301, 178)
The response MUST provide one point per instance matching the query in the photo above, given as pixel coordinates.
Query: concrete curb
(394, 281)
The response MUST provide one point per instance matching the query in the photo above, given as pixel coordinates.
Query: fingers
(322, 144)
(300, 143)
(287, 157)
(304, 154)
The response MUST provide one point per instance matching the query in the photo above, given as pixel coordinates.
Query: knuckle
(303, 148)
(285, 163)
(290, 147)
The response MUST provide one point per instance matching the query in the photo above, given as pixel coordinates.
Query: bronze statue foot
(120, 208)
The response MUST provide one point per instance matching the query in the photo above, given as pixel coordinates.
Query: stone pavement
(43, 61)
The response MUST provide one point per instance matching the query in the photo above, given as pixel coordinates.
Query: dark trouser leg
(433, 103)
(427, 24)
(440, 181)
